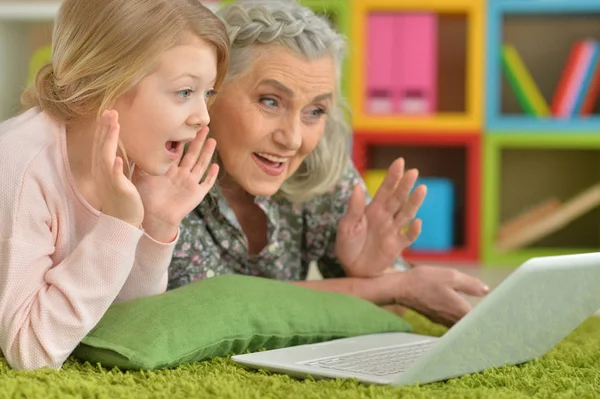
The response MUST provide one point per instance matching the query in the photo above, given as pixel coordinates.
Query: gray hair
(285, 22)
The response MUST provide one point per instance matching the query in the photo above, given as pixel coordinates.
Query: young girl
(94, 181)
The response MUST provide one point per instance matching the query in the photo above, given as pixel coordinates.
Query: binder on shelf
(528, 94)
(380, 63)
(415, 83)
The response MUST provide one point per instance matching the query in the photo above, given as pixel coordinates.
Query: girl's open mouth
(175, 148)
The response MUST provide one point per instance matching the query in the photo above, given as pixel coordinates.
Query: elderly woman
(289, 194)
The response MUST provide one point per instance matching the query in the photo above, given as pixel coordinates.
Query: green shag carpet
(571, 370)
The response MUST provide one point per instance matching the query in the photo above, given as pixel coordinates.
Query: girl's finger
(191, 156)
(110, 143)
(204, 159)
(96, 147)
(211, 178)
(118, 179)
(117, 170)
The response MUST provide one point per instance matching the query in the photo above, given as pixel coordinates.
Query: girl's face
(168, 107)
(267, 121)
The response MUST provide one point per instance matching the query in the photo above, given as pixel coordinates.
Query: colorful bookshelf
(468, 117)
(519, 156)
(522, 25)
(454, 156)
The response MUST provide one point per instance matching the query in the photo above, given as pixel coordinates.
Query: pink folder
(380, 58)
(415, 77)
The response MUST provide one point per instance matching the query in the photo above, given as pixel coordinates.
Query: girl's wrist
(160, 231)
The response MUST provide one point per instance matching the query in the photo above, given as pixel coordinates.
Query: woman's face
(268, 120)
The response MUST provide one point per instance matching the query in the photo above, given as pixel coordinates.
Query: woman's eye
(269, 102)
(185, 93)
(318, 112)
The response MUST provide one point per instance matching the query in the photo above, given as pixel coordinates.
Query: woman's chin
(262, 189)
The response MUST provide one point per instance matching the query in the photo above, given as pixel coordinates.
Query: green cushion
(224, 315)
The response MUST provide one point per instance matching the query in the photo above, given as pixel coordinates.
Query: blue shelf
(497, 122)
(543, 6)
(530, 124)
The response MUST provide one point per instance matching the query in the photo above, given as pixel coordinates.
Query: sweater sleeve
(47, 307)
(150, 272)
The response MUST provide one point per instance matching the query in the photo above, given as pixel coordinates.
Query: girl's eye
(187, 93)
(269, 102)
(209, 94)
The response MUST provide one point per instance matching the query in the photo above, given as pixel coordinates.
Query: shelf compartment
(459, 56)
(521, 24)
(522, 171)
(455, 156)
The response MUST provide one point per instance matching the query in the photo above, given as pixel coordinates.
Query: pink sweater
(62, 262)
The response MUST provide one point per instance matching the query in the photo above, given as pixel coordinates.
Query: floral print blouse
(212, 242)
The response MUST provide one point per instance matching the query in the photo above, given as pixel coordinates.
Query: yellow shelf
(440, 123)
(472, 118)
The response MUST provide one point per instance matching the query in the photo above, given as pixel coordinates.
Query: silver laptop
(530, 312)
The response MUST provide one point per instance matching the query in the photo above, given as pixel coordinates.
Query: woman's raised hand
(371, 238)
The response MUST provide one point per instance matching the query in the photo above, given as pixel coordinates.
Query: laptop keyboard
(378, 362)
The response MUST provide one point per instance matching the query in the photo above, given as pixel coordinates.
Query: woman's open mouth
(270, 164)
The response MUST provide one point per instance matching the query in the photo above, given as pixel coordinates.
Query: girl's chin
(150, 170)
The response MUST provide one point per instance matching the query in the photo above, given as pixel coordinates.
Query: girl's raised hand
(118, 195)
(169, 198)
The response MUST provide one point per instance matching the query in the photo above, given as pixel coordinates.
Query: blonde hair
(254, 23)
(102, 48)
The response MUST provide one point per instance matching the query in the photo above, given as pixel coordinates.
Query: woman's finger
(411, 234)
(409, 209)
(355, 211)
(193, 152)
(398, 199)
(388, 186)
(457, 306)
(470, 285)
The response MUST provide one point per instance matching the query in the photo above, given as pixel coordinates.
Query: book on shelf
(546, 218)
(577, 89)
(528, 94)
(576, 92)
